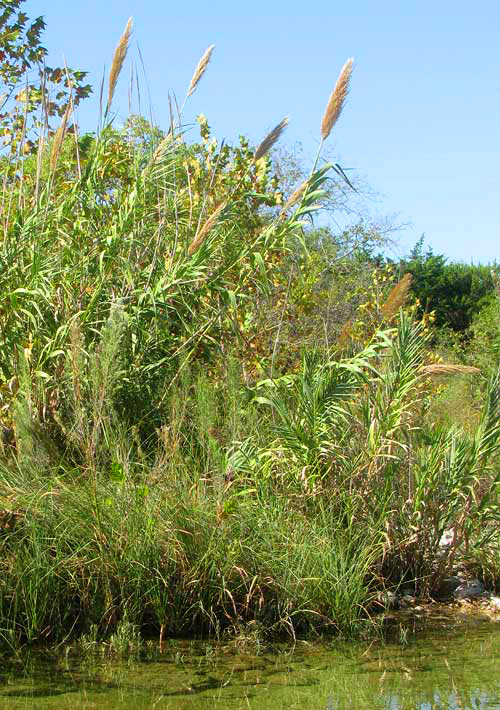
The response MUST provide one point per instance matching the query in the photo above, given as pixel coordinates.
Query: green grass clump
(174, 559)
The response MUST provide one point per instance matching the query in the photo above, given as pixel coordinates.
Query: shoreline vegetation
(212, 417)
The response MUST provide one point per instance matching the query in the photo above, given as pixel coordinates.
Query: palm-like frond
(393, 395)
(312, 409)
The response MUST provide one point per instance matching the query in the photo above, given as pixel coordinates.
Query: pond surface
(453, 663)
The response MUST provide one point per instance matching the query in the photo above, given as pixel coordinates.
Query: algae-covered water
(453, 663)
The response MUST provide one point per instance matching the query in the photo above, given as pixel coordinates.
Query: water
(452, 664)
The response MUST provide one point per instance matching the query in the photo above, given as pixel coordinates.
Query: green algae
(451, 664)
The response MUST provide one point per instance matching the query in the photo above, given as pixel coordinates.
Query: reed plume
(270, 140)
(161, 148)
(296, 195)
(205, 229)
(336, 100)
(446, 369)
(345, 334)
(200, 69)
(59, 137)
(118, 60)
(397, 297)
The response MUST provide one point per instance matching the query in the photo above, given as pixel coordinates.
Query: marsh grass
(160, 559)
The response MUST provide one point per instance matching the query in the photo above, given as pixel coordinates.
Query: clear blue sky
(422, 122)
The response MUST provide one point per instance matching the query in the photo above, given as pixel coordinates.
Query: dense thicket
(454, 291)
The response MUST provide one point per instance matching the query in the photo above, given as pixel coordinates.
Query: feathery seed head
(336, 100)
(345, 334)
(296, 195)
(448, 369)
(118, 60)
(59, 137)
(397, 297)
(205, 229)
(270, 140)
(200, 69)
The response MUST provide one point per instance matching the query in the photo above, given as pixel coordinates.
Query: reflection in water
(446, 668)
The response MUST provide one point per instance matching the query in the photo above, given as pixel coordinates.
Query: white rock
(469, 590)
(447, 538)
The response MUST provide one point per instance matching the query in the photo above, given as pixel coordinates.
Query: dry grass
(397, 297)
(200, 69)
(205, 229)
(270, 140)
(337, 100)
(118, 60)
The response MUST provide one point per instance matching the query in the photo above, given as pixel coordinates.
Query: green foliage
(311, 411)
(168, 559)
(484, 347)
(25, 98)
(454, 291)
(122, 238)
(286, 516)
(353, 429)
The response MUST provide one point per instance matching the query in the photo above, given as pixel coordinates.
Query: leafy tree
(484, 348)
(30, 89)
(454, 291)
